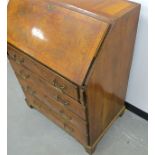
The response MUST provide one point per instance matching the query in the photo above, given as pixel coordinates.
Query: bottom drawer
(49, 113)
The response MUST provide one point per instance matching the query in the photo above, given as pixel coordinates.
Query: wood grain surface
(73, 59)
(61, 39)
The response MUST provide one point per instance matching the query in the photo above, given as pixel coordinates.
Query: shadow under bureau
(72, 59)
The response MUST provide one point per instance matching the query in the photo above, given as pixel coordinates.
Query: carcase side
(107, 83)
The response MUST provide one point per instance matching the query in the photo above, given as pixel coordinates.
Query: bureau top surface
(62, 39)
(108, 10)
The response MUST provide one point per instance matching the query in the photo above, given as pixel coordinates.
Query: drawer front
(65, 114)
(49, 113)
(55, 106)
(31, 79)
(58, 82)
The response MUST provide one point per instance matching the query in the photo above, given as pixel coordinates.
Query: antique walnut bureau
(72, 59)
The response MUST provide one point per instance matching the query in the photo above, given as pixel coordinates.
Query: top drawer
(58, 82)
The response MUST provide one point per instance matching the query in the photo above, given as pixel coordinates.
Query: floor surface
(30, 133)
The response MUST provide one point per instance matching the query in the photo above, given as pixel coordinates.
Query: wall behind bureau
(137, 93)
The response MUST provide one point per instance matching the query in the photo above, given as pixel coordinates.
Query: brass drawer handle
(58, 86)
(23, 75)
(30, 91)
(59, 99)
(18, 61)
(50, 7)
(67, 128)
(64, 116)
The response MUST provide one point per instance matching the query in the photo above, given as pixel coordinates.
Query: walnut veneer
(72, 59)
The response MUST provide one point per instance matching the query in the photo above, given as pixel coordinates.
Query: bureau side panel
(108, 78)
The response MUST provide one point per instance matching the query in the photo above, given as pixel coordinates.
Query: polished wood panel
(47, 74)
(108, 79)
(107, 10)
(48, 36)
